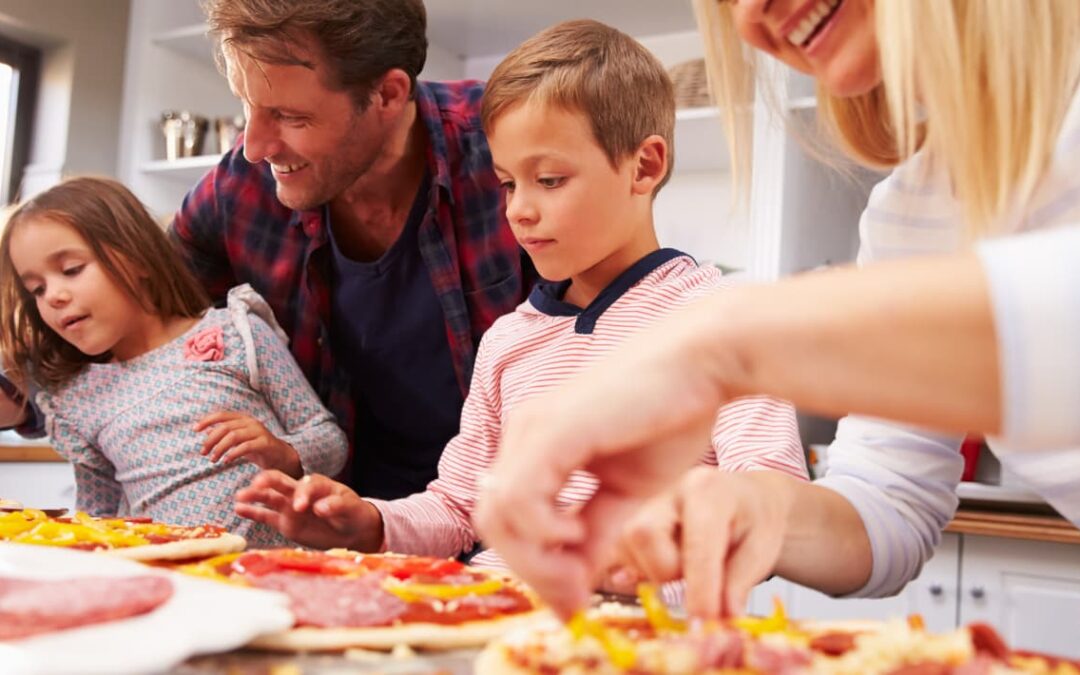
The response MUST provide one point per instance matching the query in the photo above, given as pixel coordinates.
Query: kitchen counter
(1014, 526)
(28, 453)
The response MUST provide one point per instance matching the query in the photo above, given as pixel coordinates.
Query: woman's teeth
(809, 25)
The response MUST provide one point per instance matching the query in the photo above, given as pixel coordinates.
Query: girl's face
(75, 295)
(832, 40)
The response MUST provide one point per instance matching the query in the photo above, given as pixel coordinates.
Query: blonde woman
(974, 104)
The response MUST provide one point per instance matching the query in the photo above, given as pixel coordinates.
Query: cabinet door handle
(937, 590)
(978, 592)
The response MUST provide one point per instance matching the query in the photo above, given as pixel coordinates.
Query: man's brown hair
(588, 66)
(361, 40)
(129, 245)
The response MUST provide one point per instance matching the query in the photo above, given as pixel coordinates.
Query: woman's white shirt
(902, 479)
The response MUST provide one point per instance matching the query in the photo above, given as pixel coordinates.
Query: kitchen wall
(77, 125)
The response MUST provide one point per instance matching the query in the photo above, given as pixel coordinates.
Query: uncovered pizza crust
(183, 549)
(495, 660)
(432, 636)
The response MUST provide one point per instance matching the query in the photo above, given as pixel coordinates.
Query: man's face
(315, 139)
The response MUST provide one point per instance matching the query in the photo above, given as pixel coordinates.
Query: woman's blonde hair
(128, 244)
(981, 85)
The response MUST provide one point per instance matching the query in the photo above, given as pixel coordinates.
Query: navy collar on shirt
(547, 296)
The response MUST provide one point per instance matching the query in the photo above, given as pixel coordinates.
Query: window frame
(26, 62)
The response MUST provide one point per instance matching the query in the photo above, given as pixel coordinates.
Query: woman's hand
(722, 532)
(314, 511)
(234, 436)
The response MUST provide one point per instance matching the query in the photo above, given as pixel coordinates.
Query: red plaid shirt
(232, 229)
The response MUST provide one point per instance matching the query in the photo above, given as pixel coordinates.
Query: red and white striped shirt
(542, 344)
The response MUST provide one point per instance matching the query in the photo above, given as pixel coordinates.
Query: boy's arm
(309, 427)
(758, 432)
(438, 521)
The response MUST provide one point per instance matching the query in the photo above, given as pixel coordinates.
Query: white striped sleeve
(758, 432)
(437, 521)
(902, 482)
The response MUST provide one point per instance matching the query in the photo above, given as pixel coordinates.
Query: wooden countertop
(1014, 525)
(29, 452)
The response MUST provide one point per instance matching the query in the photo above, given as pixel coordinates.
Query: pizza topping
(656, 611)
(618, 647)
(987, 641)
(30, 607)
(82, 531)
(260, 563)
(328, 601)
(413, 592)
(835, 643)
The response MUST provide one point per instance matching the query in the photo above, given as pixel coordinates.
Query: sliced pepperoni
(30, 607)
(833, 644)
(986, 640)
(327, 602)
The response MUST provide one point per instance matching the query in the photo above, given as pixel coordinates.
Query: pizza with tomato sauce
(647, 640)
(343, 599)
(134, 538)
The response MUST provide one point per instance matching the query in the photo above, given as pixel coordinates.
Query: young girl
(164, 406)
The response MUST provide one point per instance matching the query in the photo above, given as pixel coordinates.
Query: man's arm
(198, 232)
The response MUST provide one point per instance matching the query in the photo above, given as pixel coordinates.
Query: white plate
(202, 616)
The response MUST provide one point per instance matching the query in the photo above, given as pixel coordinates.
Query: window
(18, 89)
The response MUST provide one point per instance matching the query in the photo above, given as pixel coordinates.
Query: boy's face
(573, 212)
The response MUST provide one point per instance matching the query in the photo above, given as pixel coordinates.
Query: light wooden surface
(29, 453)
(1015, 526)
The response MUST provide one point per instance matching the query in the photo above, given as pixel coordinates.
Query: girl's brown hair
(131, 248)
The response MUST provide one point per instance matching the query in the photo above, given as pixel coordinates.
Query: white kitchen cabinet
(933, 595)
(38, 484)
(1028, 590)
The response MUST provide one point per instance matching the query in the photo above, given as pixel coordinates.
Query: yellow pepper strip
(915, 622)
(656, 612)
(415, 592)
(757, 626)
(619, 648)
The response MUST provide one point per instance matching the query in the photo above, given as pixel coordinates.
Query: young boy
(580, 120)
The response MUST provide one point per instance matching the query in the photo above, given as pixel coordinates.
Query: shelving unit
(188, 40)
(187, 170)
(699, 140)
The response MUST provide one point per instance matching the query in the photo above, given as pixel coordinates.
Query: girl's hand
(314, 511)
(234, 436)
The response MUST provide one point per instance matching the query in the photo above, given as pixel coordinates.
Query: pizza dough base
(183, 549)
(432, 636)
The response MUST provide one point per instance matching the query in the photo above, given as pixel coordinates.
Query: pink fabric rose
(206, 345)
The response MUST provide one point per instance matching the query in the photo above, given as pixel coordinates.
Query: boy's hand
(314, 511)
(234, 436)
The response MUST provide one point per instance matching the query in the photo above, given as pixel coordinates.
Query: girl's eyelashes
(73, 270)
(507, 185)
(551, 182)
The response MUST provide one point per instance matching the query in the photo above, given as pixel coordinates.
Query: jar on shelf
(185, 133)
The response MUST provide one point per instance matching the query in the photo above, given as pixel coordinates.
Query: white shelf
(191, 41)
(187, 169)
(699, 140)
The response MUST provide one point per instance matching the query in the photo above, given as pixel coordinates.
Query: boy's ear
(652, 159)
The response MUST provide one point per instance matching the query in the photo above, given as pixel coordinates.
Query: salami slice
(32, 607)
(324, 601)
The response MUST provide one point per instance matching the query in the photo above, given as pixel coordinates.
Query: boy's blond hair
(586, 66)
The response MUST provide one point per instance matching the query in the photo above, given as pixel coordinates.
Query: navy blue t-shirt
(390, 326)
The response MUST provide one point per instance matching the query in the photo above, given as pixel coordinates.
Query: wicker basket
(691, 84)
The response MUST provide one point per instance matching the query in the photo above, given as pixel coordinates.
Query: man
(362, 205)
